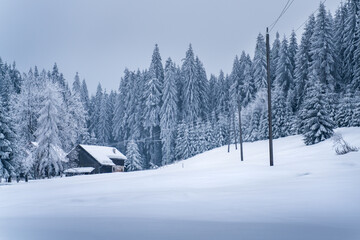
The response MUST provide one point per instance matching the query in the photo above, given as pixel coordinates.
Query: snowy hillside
(310, 193)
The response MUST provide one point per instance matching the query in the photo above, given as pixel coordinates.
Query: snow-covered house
(91, 159)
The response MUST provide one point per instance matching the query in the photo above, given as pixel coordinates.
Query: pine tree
(153, 95)
(222, 130)
(191, 88)
(183, 147)
(274, 56)
(213, 92)
(152, 116)
(203, 89)
(103, 130)
(57, 77)
(259, 63)
(280, 114)
(49, 155)
(322, 67)
(95, 109)
(6, 90)
(249, 86)
(84, 95)
(350, 38)
(284, 78)
(293, 49)
(236, 91)
(315, 118)
(340, 46)
(134, 160)
(198, 137)
(169, 113)
(236, 82)
(210, 139)
(302, 63)
(27, 108)
(6, 149)
(119, 127)
(76, 87)
(15, 78)
(77, 115)
(256, 112)
(355, 83)
(345, 110)
(355, 120)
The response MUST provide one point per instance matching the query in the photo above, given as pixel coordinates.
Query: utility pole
(269, 97)
(240, 132)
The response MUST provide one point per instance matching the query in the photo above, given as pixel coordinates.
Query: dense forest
(171, 112)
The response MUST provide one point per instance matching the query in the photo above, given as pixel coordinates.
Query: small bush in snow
(341, 146)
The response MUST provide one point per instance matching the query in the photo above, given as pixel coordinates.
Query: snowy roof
(79, 170)
(103, 154)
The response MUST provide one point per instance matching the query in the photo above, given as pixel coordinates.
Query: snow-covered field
(310, 193)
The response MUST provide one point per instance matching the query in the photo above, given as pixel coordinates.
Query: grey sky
(99, 39)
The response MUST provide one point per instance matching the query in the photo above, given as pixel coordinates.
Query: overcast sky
(99, 39)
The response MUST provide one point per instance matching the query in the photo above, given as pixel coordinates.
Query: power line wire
(286, 7)
(308, 19)
(280, 13)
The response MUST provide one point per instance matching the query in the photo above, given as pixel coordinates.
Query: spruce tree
(6, 149)
(293, 49)
(350, 38)
(49, 155)
(323, 67)
(340, 46)
(153, 96)
(191, 99)
(249, 86)
(303, 61)
(315, 118)
(355, 120)
(345, 110)
(281, 114)
(203, 89)
(95, 108)
(134, 160)
(183, 147)
(84, 95)
(169, 113)
(274, 56)
(259, 64)
(103, 130)
(212, 93)
(76, 87)
(284, 78)
(355, 83)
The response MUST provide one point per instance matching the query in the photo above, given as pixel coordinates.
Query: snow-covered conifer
(169, 113)
(303, 62)
(49, 155)
(284, 79)
(191, 88)
(322, 67)
(134, 160)
(6, 149)
(315, 118)
(259, 63)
